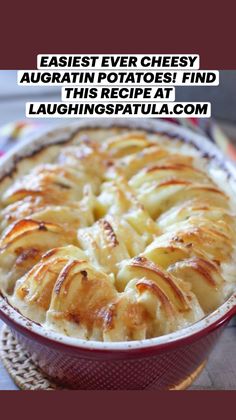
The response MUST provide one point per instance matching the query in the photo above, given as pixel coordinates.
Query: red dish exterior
(159, 367)
(152, 365)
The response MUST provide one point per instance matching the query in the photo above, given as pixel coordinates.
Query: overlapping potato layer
(120, 235)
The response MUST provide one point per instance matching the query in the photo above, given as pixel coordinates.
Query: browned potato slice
(205, 280)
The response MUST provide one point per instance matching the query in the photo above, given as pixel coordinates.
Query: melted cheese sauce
(117, 235)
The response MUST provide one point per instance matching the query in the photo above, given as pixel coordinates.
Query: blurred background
(222, 97)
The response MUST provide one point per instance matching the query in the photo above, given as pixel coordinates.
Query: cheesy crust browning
(118, 235)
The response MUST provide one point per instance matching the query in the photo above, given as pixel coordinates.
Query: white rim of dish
(63, 133)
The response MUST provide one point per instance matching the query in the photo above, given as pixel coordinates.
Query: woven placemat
(27, 376)
(20, 365)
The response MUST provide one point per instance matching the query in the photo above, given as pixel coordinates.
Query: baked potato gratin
(117, 235)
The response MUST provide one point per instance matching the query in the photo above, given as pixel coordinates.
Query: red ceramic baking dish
(167, 362)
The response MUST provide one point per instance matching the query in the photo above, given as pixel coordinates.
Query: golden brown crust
(117, 235)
